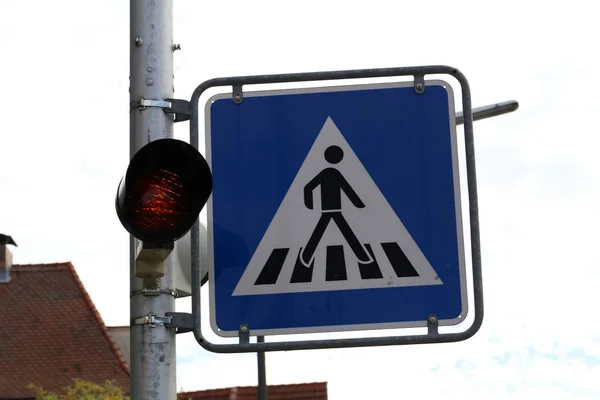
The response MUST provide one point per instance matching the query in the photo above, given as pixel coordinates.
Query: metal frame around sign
(432, 336)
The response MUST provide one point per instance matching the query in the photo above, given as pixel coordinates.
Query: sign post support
(262, 372)
(152, 345)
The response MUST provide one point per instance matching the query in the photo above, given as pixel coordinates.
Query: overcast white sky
(64, 146)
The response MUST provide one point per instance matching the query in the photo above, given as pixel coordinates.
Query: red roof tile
(51, 333)
(301, 391)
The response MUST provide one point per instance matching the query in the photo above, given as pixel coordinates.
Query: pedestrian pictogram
(332, 184)
(344, 234)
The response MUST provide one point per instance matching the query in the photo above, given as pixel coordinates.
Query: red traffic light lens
(157, 201)
(166, 186)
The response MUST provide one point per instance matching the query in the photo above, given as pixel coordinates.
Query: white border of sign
(343, 328)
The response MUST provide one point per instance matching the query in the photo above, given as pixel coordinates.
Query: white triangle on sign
(275, 266)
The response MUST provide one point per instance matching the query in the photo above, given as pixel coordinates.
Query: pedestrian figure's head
(334, 154)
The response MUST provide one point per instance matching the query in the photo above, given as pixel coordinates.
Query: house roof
(301, 391)
(51, 333)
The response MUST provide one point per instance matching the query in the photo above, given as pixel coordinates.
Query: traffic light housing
(165, 187)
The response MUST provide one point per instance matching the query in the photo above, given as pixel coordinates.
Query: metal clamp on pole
(142, 104)
(181, 322)
(153, 292)
(170, 106)
(151, 320)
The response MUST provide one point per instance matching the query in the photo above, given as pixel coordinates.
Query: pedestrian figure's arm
(308, 191)
(345, 186)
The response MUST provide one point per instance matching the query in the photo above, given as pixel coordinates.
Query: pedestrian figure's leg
(315, 238)
(351, 238)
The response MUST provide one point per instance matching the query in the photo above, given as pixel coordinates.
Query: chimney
(5, 258)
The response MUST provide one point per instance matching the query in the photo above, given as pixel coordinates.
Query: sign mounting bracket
(419, 83)
(238, 94)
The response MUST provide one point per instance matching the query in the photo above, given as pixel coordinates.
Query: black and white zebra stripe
(335, 265)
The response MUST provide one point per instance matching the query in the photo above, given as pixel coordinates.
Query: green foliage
(83, 390)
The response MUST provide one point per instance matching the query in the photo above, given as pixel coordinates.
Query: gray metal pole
(492, 110)
(153, 373)
(262, 372)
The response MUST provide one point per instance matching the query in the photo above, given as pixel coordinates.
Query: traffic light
(165, 187)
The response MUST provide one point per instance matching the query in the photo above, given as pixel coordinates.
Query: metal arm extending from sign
(492, 110)
(433, 336)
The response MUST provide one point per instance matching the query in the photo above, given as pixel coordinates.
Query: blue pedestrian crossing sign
(335, 209)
